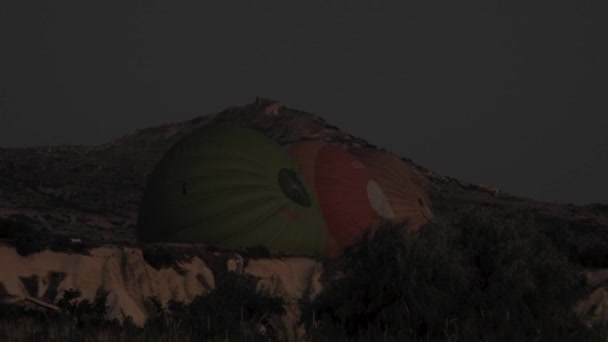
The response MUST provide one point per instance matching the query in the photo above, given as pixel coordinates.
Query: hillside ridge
(65, 191)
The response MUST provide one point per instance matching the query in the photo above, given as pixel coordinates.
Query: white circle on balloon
(378, 200)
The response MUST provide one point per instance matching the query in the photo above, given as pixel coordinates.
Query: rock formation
(89, 195)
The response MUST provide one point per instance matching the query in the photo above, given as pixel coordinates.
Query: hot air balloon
(231, 187)
(350, 200)
(406, 196)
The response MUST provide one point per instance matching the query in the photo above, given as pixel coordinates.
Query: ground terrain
(84, 200)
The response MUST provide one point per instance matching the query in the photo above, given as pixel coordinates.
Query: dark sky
(505, 93)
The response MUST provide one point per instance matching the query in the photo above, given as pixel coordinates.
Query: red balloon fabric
(407, 197)
(350, 200)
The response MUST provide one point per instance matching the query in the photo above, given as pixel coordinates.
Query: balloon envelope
(349, 198)
(230, 187)
(408, 199)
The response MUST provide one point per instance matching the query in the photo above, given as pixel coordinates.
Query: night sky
(504, 93)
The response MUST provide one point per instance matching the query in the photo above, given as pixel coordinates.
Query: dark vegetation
(256, 252)
(159, 256)
(162, 256)
(30, 239)
(482, 274)
(74, 321)
(20, 232)
(477, 274)
(234, 311)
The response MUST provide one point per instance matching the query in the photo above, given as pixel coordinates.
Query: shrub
(256, 252)
(76, 321)
(85, 312)
(29, 244)
(481, 274)
(223, 313)
(11, 228)
(22, 234)
(64, 244)
(167, 257)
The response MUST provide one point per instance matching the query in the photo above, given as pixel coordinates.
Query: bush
(29, 244)
(256, 252)
(11, 228)
(64, 244)
(231, 310)
(85, 312)
(482, 274)
(22, 234)
(160, 257)
(75, 321)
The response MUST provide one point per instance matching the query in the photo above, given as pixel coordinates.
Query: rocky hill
(84, 199)
(92, 192)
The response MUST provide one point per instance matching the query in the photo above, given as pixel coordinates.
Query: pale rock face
(594, 309)
(235, 264)
(130, 281)
(123, 272)
(291, 278)
(597, 277)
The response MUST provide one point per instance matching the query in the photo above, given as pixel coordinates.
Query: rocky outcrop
(594, 308)
(291, 279)
(69, 190)
(131, 282)
(41, 279)
(92, 194)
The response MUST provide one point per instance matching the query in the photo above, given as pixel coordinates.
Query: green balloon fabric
(231, 187)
